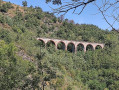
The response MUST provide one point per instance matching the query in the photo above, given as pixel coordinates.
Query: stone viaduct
(74, 43)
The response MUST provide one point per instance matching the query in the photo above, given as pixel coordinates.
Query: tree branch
(74, 5)
(105, 17)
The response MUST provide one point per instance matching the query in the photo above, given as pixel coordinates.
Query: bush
(5, 7)
(38, 15)
(69, 87)
(60, 82)
(54, 19)
(4, 35)
(9, 21)
(2, 19)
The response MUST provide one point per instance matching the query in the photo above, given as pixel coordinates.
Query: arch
(50, 42)
(98, 47)
(61, 45)
(41, 43)
(41, 40)
(80, 47)
(89, 47)
(50, 45)
(71, 47)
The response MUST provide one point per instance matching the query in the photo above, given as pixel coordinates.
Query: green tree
(24, 3)
(13, 70)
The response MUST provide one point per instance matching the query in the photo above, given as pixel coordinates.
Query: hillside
(25, 63)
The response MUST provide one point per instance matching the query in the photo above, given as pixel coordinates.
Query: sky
(88, 16)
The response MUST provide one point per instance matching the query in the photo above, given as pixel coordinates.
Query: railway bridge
(71, 45)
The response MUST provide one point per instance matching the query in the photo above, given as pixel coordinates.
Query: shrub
(5, 7)
(60, 82)
(69, 87)
(2, 19)
(4, 35)
(54, 19)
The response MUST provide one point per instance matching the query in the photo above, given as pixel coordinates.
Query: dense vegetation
(26, 64)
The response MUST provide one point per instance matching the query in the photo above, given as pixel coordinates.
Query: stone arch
(41, 43)
(41, 40)
(98, 47)
(50, 44)
(80, 47)
(89, 47)
(71, 47)
(61, 45)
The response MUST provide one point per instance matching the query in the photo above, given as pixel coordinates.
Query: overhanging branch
(74, 5)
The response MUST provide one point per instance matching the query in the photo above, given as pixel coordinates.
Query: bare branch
(108, 8)
(105, 17)
(69, 6)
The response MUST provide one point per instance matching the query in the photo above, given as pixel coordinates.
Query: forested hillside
(25, 64)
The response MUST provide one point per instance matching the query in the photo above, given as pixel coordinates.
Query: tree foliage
(24, 3)
(5, 7)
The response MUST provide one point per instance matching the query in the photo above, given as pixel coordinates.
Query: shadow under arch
(41, 43)
(89, 47)
(61, 45)
(98, 47)
(50, 45)
(71, 47)
(80, 47)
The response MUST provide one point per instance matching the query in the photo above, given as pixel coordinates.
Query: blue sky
(88, 16)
